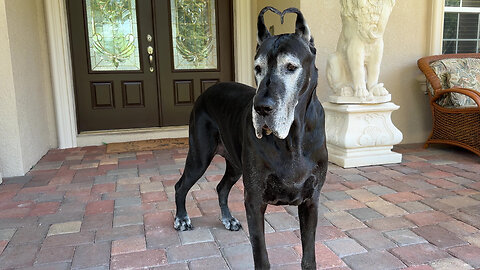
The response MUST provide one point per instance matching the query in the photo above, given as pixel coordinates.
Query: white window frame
(463, 9)
(473, 10)
(437, 16)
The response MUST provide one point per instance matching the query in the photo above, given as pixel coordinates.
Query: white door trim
(61, 73)
(61, 63)
(243, 41)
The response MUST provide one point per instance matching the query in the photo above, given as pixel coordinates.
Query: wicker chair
(458, 126)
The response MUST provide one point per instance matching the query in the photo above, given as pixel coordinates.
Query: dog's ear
(262, 31)
(301, 27)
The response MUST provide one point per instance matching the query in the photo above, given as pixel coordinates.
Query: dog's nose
(264, 107)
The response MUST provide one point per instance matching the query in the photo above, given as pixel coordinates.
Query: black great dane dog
(273, 135)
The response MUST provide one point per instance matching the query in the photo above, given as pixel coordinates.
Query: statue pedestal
(357, 100)
(361, 134)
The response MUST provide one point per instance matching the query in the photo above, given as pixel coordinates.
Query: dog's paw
(182, 224)
(231, 224)
(378, 90)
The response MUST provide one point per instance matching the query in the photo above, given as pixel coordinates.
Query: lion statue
(353, 70)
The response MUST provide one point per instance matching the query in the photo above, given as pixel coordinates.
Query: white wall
(406, 40)
(27, 125)
(10, 153)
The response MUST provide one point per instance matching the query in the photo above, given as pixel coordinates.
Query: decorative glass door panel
(194, 34)
(113, 35)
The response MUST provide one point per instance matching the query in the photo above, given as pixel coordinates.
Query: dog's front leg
(256, 227)
(308, 214)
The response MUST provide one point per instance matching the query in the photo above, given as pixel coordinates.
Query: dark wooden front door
(185, 80)
(142, 63)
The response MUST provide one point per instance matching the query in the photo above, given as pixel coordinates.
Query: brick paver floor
(84, 209)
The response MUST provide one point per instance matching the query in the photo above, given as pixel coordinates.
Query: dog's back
(227, 98)
(226, 106)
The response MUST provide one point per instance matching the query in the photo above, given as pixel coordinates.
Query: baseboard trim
(92, 138)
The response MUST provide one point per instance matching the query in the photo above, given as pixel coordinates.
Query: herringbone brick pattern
(84, 209)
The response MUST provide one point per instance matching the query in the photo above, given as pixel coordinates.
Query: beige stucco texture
(406, 40)
(27, 125)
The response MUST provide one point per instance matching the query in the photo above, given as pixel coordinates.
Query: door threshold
(92, 138)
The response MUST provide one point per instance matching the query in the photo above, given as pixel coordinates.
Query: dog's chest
(291, 186)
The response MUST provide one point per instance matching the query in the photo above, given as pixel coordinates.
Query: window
(461, 26)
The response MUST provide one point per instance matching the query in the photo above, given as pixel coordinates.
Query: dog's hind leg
(230, 177)
(201, 152)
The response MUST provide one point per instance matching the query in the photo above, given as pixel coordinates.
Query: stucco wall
(10, 154)
(27, 124)
(406, 40)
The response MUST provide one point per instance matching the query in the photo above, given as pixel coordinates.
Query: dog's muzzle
(270, 118)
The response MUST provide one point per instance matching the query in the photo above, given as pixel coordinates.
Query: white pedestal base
(349, 158)
(361, 134)
(359, 100)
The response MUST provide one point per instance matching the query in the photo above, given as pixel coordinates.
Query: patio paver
(83, 208)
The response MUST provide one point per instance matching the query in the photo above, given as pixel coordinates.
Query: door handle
(150, 57)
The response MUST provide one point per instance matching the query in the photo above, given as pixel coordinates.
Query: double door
(143, 63)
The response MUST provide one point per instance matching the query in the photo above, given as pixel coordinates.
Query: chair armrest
(424, 65)
(432, 78)
(465, 91)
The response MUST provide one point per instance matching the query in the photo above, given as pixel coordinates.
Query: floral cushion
(457, 72)
(462, 79)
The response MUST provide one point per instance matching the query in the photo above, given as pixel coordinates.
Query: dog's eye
(291, 67)
(258, 69)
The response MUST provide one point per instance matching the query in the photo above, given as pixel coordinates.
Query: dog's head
(283, 67)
